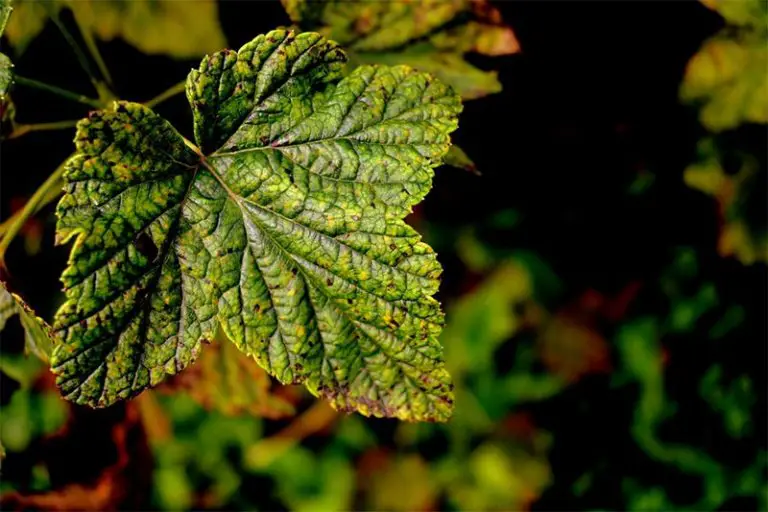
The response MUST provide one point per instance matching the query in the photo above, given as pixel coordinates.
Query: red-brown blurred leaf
(122, 483)
(230, 382)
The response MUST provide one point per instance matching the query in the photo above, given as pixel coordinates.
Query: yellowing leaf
(284, 224)
(731, 191)
(404, 484)
(176, 28)
(752, 13)
(727, 77)
(430, 35)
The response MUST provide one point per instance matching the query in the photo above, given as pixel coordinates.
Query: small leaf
(289, 232)
(456, 157)
(37, 333)
(430, 35)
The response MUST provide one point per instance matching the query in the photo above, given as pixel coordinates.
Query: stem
(81, 57)
(168, 93)
(51, 196)
(58, 91)
(90, 43)
(29, 209)
(23, 129)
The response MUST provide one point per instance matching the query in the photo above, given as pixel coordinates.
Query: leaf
(727, 76)
(37, 334)
(430, 35)
(6, 66)
(456, 157)
(289, 232)
(178, 29)
(28, 20)
(228, 381)
(751, 13)
(7, 307)
(735, 193)
(5, 12)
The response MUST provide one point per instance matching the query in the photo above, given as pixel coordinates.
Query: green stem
(81, 57)
(58, 91)
(90, 43)
(54, 192)
(23, 129)
(43, 192)
(168, 93)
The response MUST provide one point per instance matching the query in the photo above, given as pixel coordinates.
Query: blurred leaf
(430, 35)
(111, 488)
(483, 319)
(500, 477)
(727, 76)
(28, 20)
(309, 482)
(29, 415)
(732, 191)
(570, 349)
(403, 483)
(178, 29)
(228, 381)
(734, 402)
(743, 13)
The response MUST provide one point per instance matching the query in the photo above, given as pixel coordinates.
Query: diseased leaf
(6, 66)
(289, 232)
(5, 12)
(7, 307)
(6, 76)
(179, 29)
(430, 35)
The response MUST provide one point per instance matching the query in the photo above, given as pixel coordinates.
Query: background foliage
(604, 278)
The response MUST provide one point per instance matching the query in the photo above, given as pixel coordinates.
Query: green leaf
(430, 35)
(458, 158)
(37, 334)
(6, 76)
(289, 232)
(6, 66)
(5, 12)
